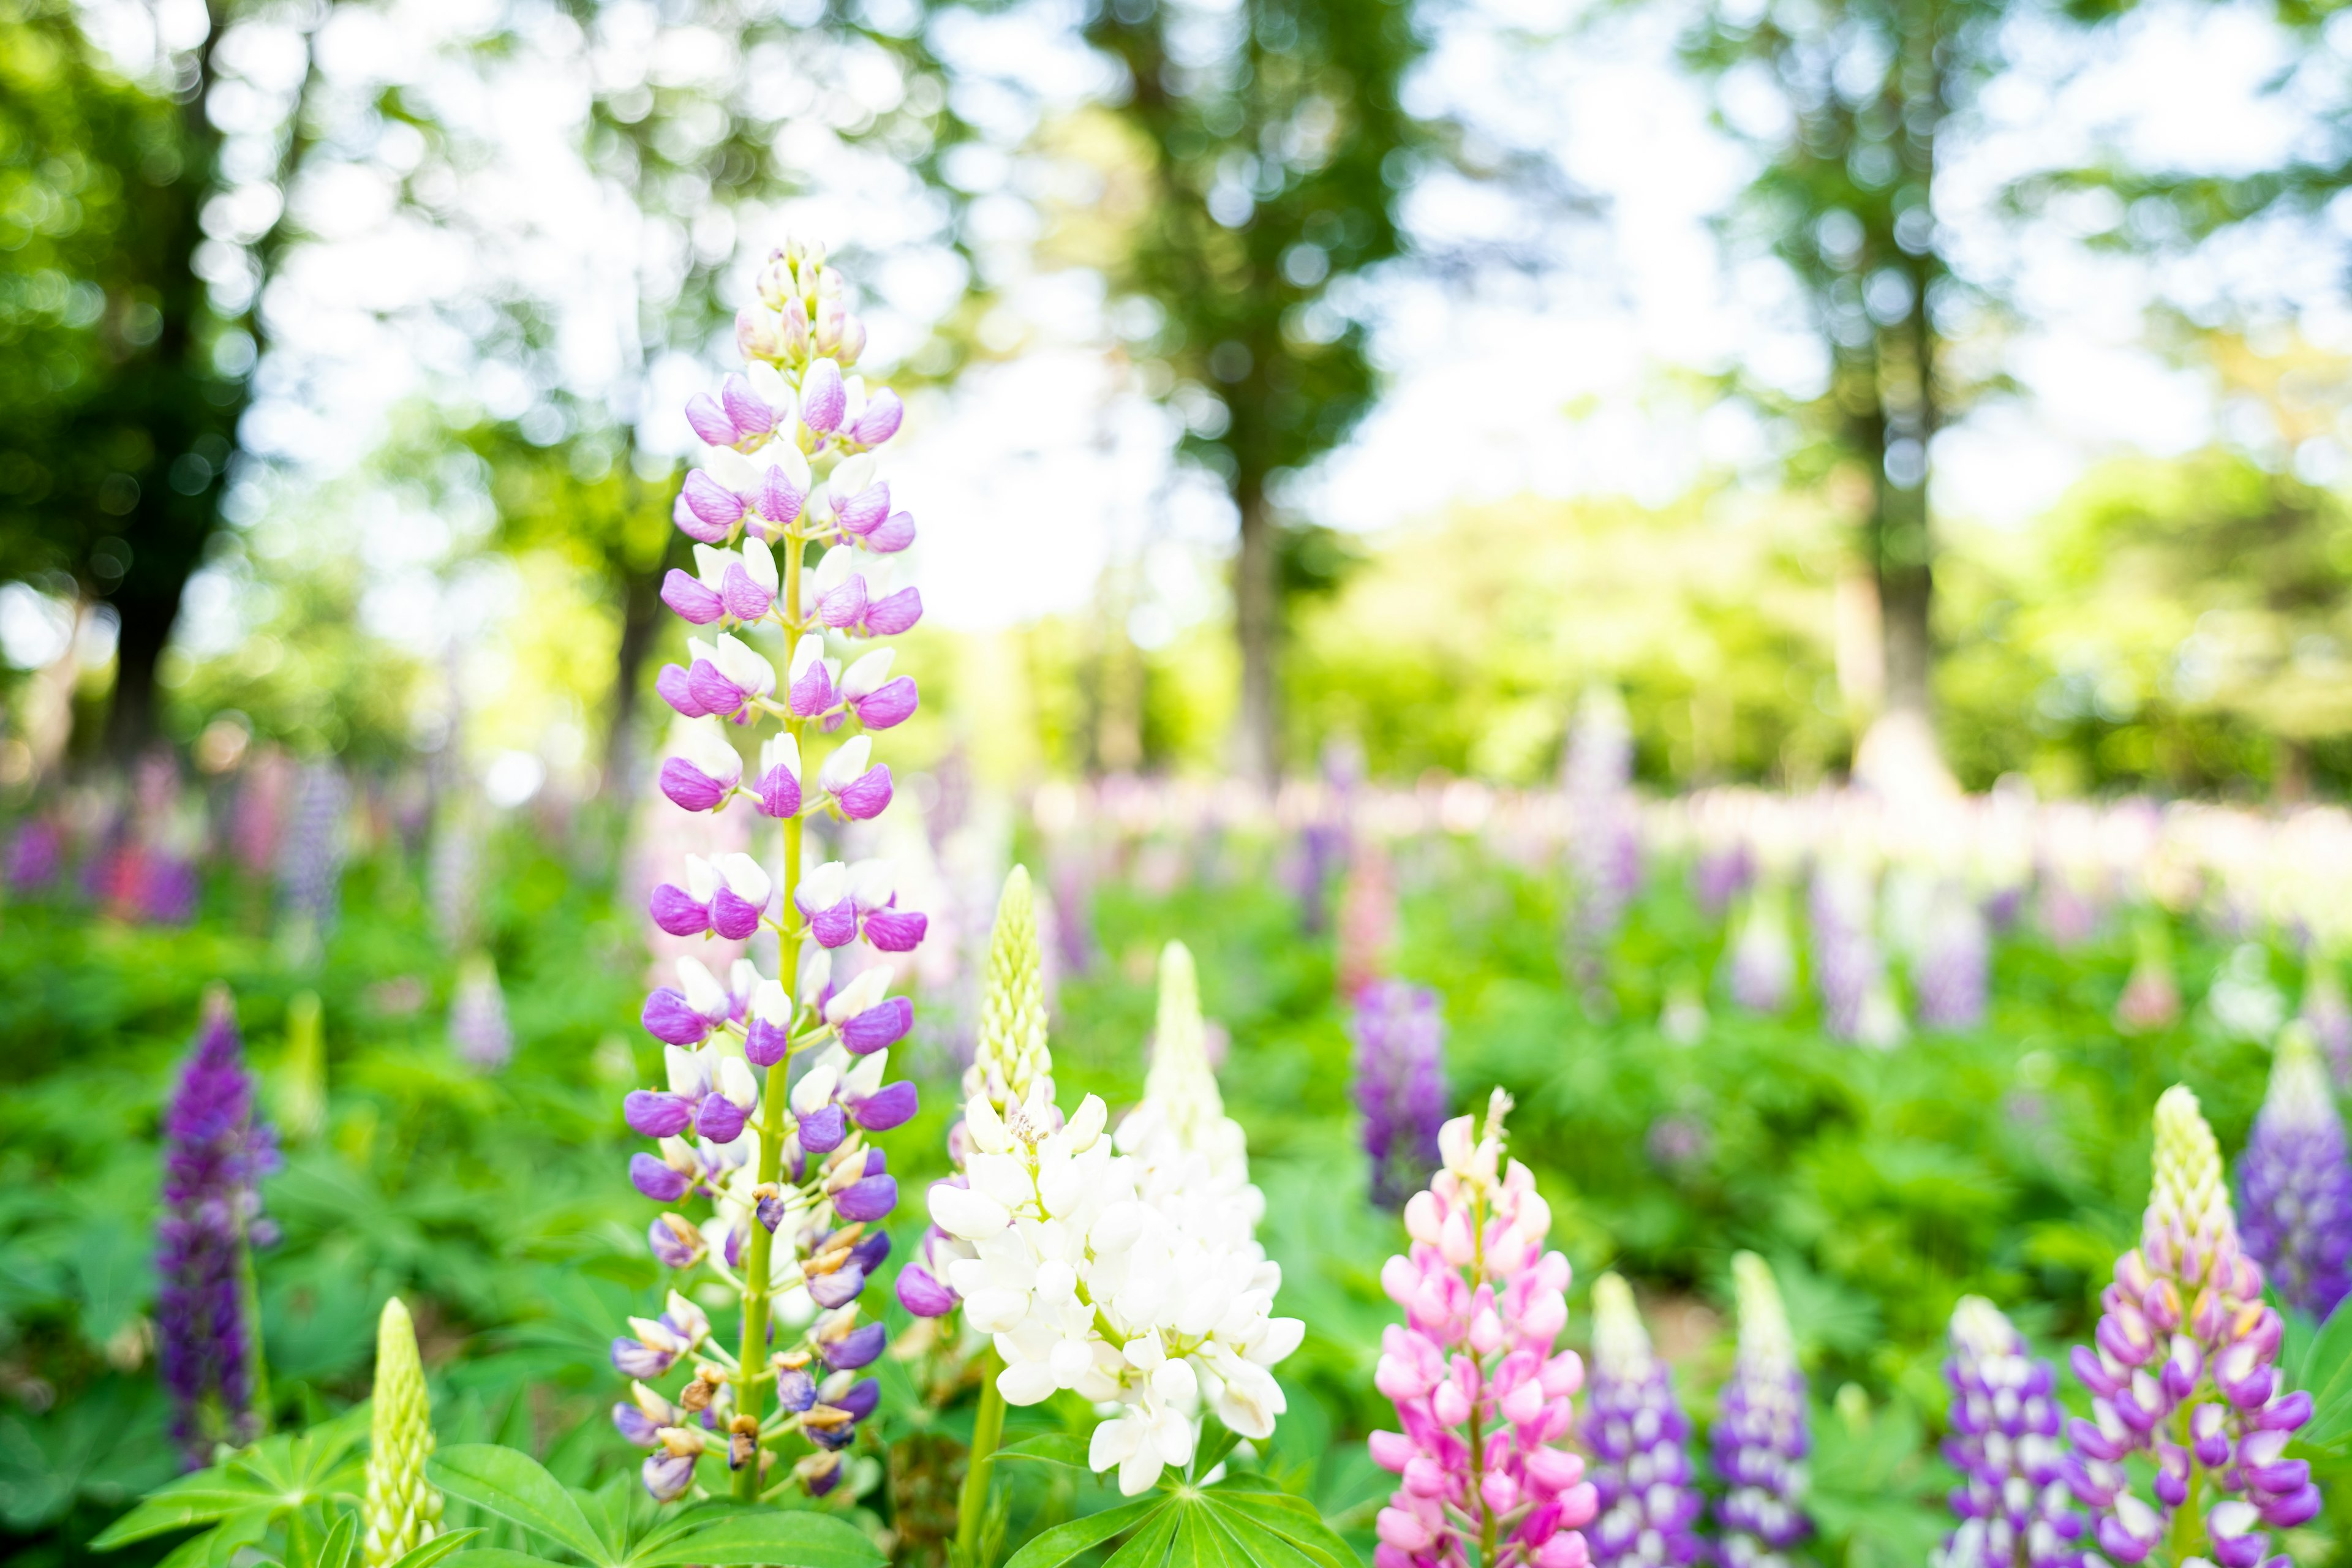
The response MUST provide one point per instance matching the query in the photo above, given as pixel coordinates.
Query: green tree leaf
(514, 1486)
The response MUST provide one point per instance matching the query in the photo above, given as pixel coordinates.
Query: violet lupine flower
(215, 1151)
(37, 854)
(1950, 973)
(1399, 1085)
(1604, 847)
(2327, 1014)
(775, 1085)
(1637, 1434)
(1481, 1394)
(1721, 873)
(1761, 1436)
(479, 1030)
(1849, 970)
(2295, 1184)
(167, 888)
(1763, 959)
(2183, 1372)
(310, 853)
(2014, 1507)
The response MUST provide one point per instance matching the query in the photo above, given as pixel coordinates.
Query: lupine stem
(248, 1291)
(987, 1431)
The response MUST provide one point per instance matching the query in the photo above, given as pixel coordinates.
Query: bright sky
(1040, 470)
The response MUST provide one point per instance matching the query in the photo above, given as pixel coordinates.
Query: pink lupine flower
(1482, 1397)
(704, 772)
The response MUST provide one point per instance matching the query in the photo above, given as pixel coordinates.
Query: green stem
(248, 1296)
(752, 1356)
(987, 1432)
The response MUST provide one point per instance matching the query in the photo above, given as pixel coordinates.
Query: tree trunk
(641, 609)
(1257, 599)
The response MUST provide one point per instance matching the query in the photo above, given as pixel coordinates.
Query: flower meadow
(1434, 1179)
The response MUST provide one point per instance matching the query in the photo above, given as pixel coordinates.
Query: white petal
(1029, 1382)
(970, 1215)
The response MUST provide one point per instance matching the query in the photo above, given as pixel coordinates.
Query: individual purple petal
(666, 1476)
(713, 502)
(733, 916)
(884, 1024)
(837, 1289)
(889, 616)
(635, 1358)
(716, 693)
(812, 693)
(922, 1295)
(822, 1129)
(689, 597)
(865, 796)
(863, 1398)
(674, 1243)
(795, 1389)
(764, 1043)
(868, 1198)
(780, 500)
(894, 534)
(691, 525)
(653, 1114)
(634, 1425)
(779, 793)
(862, 513)
(690, 788)
(835, 927)
(655, 1180)
(871, 1249)
(751, 415)
(887, 1107)
(675, 910)
(896, 931)
(842, 604)
(880, 420)
(676, 689)
(744, 599)
(710, 422)
(823, 398)
(719, 1118)
(667, 1019)
(890, 704)
(854, 1349)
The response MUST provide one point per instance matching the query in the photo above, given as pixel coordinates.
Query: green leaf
(498, 1557)
(426, 1553)
(1293, 1518)
(1196, 1544)
(340, 1549)
(204, 1498)
(1146, 1546)
(2325, 1374)
(216, 1547)
(1217, 1440)
(1053, 1447)
(1063, 1542)
(795, 1538)
(1262, 1546)
(513, 1486)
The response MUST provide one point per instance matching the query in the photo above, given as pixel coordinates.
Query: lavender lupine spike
(477, 1017)
(1399, 1085)
(2327, 1014)
(2295, 1182)
(795, 1188)
(1763, 959)
(1605, 849)
(215, 1151)
(1637, 1434)
(1950, 973)
(1849, 970)
(2183, 1372)
(1761, 1436)
(310, 856)
(2015, 1509)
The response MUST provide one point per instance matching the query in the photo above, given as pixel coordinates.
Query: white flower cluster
(1086, 1283)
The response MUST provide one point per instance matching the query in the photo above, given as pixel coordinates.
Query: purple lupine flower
(2295, 1184)
(311, 854)
(2014, 1507)
(2326, 1013)
(479, 1031)
(1761, 1436)
(1605, 847)
(1949, 974)
(215, 1151)
(1763, 959)
(36, 854)
(167, 888)
(1399, 1085)
(2187, 1350)
(1721, 872)
(1849, 970)
(1637, 1434)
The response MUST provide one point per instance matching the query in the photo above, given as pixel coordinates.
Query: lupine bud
(1636, 1432)
(2295, 1184)
(1760, 1437)
(1010, 1060)
(899, 612)
(879, 422)
(1399, 1085)
(403, 1510)
(823, 397)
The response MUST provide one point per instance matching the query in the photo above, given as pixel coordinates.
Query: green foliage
(1186, 1521)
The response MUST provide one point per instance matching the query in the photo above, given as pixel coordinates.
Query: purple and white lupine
(310, 855)
(2014, 1507)
(1763, 957)
(776, 1086)
(1399, 1085)
(2295, 1184)
(1604, 847)
(1849, 968)
(2327, 1014)
(216, 1149)
(479, 1030)
(1950, 971)
(2183, 1372)
(37, 854)
(1635, 1430)
(1761, 1436)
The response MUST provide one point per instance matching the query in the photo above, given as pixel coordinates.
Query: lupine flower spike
(2183, 1373)
(2295, 1184)
(1638, 1436)
(2015, 1509)
(2327, 1013)
(1194, 1158)
(403, 1509)
(1763, 958)
(215, 1151)
(796, 1192)
(1760, 1437)
(1483, 1398)
(1399, 1085)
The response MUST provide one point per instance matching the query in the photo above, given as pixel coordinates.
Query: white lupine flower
(703, 992)
(866, 676)
(744, 877)
(746, 668)
(848, 761)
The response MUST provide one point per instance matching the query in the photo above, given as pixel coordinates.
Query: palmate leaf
(518, 1488)
(2323, 1370)
(276, 1476)
(426, 1553)
(1049, 1447)
(1065, 1542)
(788, 1538)
(1242, 1521)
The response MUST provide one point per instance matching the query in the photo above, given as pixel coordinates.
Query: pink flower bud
(1449, 1404)
(756, 336)
(690, 788)
(677, 689)
(812, 692)
(892, 535)
(744, 599)
(863, 513)
(688, 596)
(1403, 1531)
(865, 796)
(1391, 1451)
(890, 705)
(716, 693)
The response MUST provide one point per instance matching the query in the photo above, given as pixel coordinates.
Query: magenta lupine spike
(215, 1151)
(775, 1085)
(35, 856)
(1762, 1437)
(1399, 1085)
(2183, 1372)
(1482, 1397)
(1638, 1437)
(2295, 1182)
(2014, 1507)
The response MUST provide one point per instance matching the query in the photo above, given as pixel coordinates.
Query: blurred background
(1784, 561)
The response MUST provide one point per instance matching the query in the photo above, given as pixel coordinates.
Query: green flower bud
(403, 1510)
(1009, 1057)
